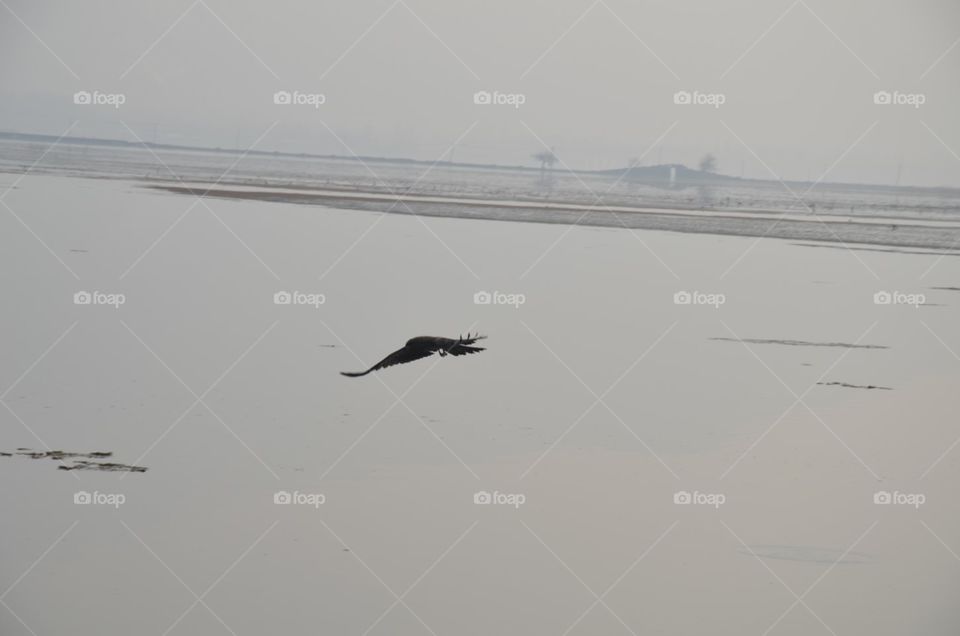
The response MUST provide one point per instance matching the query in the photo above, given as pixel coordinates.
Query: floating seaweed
(80, 461)
(856, 386)
(104, 466)
(801, 343)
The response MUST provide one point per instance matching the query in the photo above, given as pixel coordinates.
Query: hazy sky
(598, 79)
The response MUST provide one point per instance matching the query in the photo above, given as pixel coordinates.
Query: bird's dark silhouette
(421, 347)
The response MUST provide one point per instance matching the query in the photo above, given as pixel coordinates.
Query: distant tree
(546, 159)
(708, 163)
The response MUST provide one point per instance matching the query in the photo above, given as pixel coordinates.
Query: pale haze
(598, 80)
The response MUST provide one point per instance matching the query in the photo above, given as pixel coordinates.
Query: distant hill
(676, 173)
(119, 143)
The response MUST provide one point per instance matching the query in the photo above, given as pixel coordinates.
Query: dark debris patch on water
(79, 461)
(856, 386)
(104, 466)
(59, 455)
(801, 343)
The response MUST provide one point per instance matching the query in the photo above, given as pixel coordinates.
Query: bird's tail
(461, 346)
(355, 374)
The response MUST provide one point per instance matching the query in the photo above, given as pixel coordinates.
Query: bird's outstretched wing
(460, 346)
(407, 354)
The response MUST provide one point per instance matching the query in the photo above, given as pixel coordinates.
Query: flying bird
(421, 347)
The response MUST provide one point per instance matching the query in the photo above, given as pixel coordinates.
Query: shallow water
(230, 399)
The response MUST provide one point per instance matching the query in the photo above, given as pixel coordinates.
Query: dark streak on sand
(847, 231)
(947, 288)
(856, 386)
(876, 249)
(802, 343)
(81, 461)
(805, 553)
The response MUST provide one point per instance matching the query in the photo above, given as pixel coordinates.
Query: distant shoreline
(645, 174)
